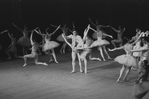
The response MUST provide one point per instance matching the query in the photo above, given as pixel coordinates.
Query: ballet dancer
(60, 38)
(50, 45)
(127, 61)
(77, 42)
(141, 86)
(34, 53)
(12, 47)
(85, 49)
(119, 39)
(24, 40)
(144, 57)
(100, 42)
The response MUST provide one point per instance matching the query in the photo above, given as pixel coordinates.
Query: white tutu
(50, 45)
(60, 38)
(99, 43)
(126, 60)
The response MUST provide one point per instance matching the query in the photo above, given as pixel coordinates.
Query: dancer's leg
(105, 50)
(39, 63)
(73, 55)
(121, 73)
(8, 54)
(126, 73)
(101, 52)
(80, 64)
(54, 56)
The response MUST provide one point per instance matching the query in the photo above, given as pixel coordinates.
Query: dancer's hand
(111, 36)
(110, 49)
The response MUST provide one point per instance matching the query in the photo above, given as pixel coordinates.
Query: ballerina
(85, 49)
(100, 42)
(34, 53)
(50, 45)
(24, 40)
(12, 47)
(127, 61)
(60, 38)
(119, 39)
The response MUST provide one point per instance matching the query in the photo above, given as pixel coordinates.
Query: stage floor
(56, 82)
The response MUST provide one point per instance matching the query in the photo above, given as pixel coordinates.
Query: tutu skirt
(50, 45)
(100, 43)
(60, 38)
(126, 60)
(23, 41)
(94, 35)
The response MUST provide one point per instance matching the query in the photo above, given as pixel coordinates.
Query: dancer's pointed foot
(56, 61)
(81, 71)
(50, 60)
(109, 58)
(45, 64)
(118, 80)
(72, 71)
(24, 65)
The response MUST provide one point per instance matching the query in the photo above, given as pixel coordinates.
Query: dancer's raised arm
(141, 35)
(54, 31)
(92, 29)
(107, 35)
(116, 48)
(17, 27)
(92, 22)
(31, 38)
(66, 40)
(4, 31)
(86, 32)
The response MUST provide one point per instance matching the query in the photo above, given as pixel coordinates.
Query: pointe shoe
(56, 61)
(81, 71)
(24, 65)
(118, 80)
(72, 72)
(99, 59)
(45, 64)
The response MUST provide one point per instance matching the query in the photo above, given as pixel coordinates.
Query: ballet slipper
(56, 61)
(81, 71)
(24, 65)
(72, 71)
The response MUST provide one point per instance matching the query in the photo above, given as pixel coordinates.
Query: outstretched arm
(4, 31)
(17, 27)
(107, 35)
(116, 48)
(66, 40)
(93, 29)
(31, 38)
(54, 31)
(138, 38)
(92, 22)
(141, 49)
(86, 32)
(114, 29)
